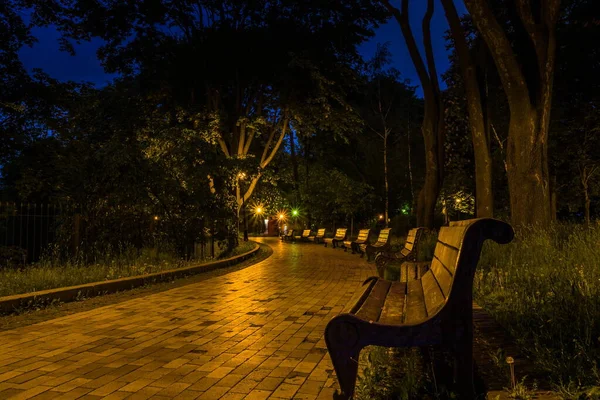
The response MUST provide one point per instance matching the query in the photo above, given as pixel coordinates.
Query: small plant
(520, 391)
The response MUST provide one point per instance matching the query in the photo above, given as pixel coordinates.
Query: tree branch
(266, 161)
(411, 44)
(223, 146)
(429, 48)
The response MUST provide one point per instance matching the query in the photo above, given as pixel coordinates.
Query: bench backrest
(450, 277)
(290, 232)
(363, 235)
(412, 241)
(384, 237)
(340, 233)
(321, 233)
(306, 233)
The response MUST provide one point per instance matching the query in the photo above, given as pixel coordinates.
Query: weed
(544, 288)
(50, 272)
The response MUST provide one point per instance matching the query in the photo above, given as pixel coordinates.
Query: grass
(50, 274)
(544, 288)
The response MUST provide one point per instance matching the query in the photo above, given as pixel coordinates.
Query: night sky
(85, 66)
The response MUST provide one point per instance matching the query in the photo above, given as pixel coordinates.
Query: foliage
(390, 374)
(52, 272)
(543, 289)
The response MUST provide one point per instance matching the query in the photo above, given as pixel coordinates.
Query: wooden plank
(415, 302)
(452, 236)
(393, 309)
(447, 255)
(371, 308)
(442, 275)
(434, 298)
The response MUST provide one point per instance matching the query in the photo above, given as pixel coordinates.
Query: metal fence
(30, 227)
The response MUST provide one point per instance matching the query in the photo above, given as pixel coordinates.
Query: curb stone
(10, 304)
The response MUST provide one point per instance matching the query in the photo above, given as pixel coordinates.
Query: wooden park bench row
(435, 309)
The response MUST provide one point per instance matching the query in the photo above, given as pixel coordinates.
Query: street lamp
(242, 176)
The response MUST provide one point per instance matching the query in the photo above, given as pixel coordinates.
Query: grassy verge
(48, 274)
(545, 289)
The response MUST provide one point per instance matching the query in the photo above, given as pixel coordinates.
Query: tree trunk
(528, 179)
(484, 201)
(294, 163)
(385, 178)
(585, 175)
(587, 204)
(530, 100)
(431, 187)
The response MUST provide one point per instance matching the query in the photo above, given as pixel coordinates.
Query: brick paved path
(256, 333)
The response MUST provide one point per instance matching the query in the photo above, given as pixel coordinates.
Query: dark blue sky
(84, 66)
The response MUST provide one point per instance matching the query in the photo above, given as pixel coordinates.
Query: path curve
(255, 333)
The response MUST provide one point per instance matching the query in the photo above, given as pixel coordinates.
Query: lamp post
(242, 176)
(258, 213)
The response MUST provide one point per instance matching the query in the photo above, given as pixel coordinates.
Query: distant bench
(304, 236)
(340, 236)
(288, 236)
(363, 238)
(435, 309)
(318, 237)
(408, 253)
(382, 244)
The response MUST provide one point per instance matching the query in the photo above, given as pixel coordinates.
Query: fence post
(75, 239)
(212, 240)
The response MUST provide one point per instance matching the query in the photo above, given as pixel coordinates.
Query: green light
(295, 213)
(404, 211)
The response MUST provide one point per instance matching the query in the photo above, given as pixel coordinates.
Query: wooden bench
(318, 237)
(304, 236)
(434, 310)
(340, 236)
(408, 253)
(382, 244)
(288, 236)
(363, 238)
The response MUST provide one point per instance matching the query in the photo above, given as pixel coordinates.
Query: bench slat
(446, 255)
(442, 275)
(415, 302)
(371, 308)
(393, 309)
(434, 298)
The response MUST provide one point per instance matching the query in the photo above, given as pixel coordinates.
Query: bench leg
(462, 353)
(368, 254)
(342, 340)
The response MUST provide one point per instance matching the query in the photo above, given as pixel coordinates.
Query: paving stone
(254, 333)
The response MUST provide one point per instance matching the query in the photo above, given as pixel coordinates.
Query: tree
(527, 75)
(433, 120)
(388, 106)
(193, 57)
(484, 205)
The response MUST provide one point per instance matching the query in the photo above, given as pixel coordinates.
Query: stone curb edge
(10, 304)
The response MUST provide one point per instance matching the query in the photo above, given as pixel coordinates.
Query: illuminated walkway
(256, 333)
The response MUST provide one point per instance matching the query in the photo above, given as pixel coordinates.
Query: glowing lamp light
(156, 217)
(380, 216)
(258, 210)
(295, 213)
(458, 201)
(281, 216)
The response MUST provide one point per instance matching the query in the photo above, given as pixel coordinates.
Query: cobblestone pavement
(256, 333)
